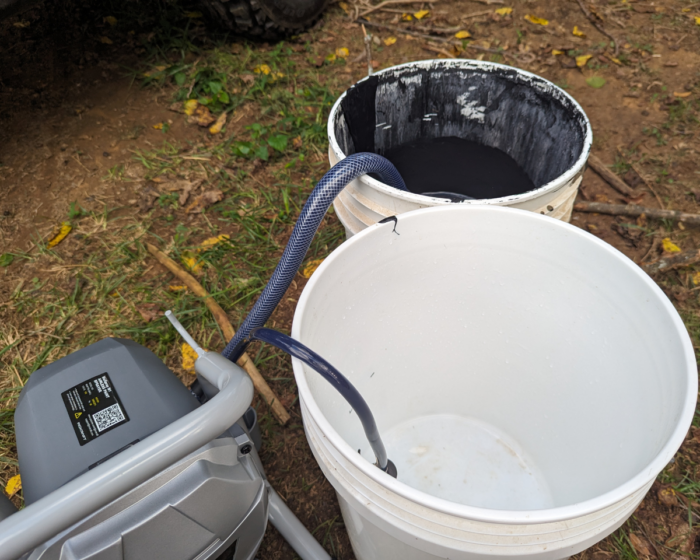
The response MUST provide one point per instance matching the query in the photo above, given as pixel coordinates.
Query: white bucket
(532, 120)
(529, 382)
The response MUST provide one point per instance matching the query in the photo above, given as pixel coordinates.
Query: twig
(368, 51)
(595, 24)
(634, 211)
(244, 361)
(438, 50)
(401, 30)
(476, 14)
(613, 180)
(685, 258)
(654, 246)
(391, 3)
(648, 186)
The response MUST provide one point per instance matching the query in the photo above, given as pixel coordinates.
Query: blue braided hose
(315, 208)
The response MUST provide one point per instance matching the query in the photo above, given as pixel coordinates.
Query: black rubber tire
(269, 20)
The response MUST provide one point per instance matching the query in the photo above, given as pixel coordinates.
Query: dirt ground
(93, 139)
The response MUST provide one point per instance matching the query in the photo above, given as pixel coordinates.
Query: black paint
(455, 165)
(535, 124)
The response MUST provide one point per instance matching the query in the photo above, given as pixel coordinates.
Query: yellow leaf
(191, 107)
(59, 234)
(106, 40)
(504, 11)
(193, 15)
(344, 7)
(21, 24)
(174, 288)
(578, 32)
(682, 93)
(189, 356)
(697, 20)
(110, 20)
(463, 34)
(615, 60)
(219, 124)
(421, 14)
(557, 52)
(342, 52)
(696, 278)
(192, 262)
(13, 485)
(389, 41)
(311, 267)
(685, 10)
(331, 57)
(583, 59)
(670, 246)
(158, 126)
(536, 20)
(262, 69)
(407, 17)
(209, 243)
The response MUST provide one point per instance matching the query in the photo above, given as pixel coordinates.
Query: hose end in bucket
(390, 468)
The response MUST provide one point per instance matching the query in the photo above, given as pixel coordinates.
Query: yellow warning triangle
(77, 414)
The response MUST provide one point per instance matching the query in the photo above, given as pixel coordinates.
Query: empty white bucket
(529, 381)
(535, 122)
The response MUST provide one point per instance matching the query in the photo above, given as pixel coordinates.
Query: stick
(595, 24)
(401, 30)
(685, 258)
(648, 186)
(244, 361)
(609, 177)
(368, 51)
(390, 3)
(635, 211)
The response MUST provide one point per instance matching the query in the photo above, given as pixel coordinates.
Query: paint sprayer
(119, 460)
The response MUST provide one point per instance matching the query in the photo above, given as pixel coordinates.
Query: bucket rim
(553, 185)
(516, 517)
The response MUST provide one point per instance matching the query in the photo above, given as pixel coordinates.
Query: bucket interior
(527, 117)
(512, 362)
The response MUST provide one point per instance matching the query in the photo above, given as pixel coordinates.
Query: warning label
(94, 408)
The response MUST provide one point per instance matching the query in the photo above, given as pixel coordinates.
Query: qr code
(108, 417)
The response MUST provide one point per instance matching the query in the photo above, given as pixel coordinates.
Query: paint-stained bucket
(529, 118)
(529, 382)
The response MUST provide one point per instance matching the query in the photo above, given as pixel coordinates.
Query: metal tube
(93, 490)
(298, 537)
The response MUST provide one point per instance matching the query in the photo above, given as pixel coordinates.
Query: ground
(94, 140)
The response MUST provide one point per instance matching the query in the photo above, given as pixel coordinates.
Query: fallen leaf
(191, 261)
(59, 234)
(174, 288)
(148, 197)
(667, 496)
(148, 311)
(389, 41)
(190, 106)
(682, 536)
(13, 485)
(106, 40)
(111, 20)
(186, 191)
(21, 24)
(219, 124)
(592, 9)
(331, 57)
(344, 6)
(342, 52)
(596, 82)
(557, 52)
(421, 14)
(536, 20)
(6, 259)
(583, 59)
(210, 242)
(262, 69)
(297, 143)
(669, 246)
(504, 11)
(696, 282)
(682, 94)
(204, 200)
(202, 116)
(640, 545)
(311, 267)
(462, 35)
(615, 60)
(697, 20)
(158, 126)
(578, 32)
(189, 357)
(407, 17)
